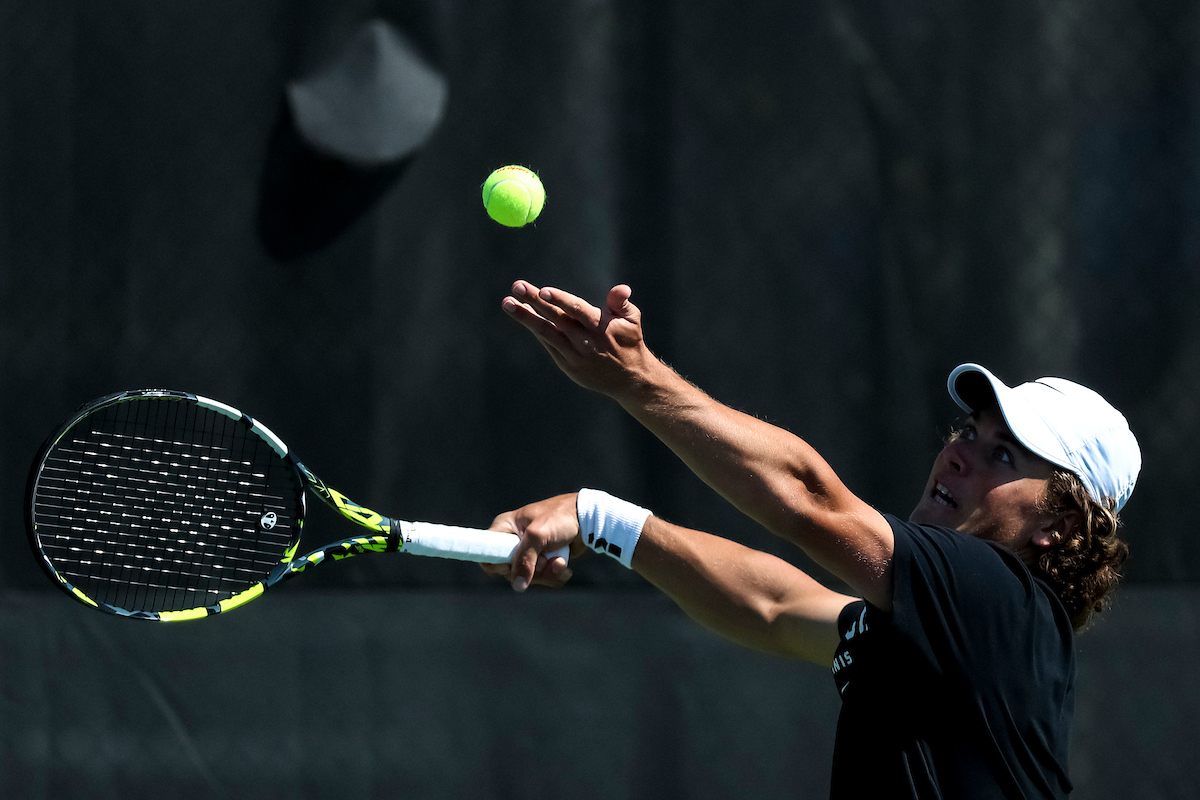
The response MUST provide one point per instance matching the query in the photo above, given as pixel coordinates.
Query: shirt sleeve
(961, 603)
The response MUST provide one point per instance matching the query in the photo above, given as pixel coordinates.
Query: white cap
(1067, 424)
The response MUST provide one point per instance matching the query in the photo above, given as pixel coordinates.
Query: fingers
(562, 323)
(556, 574)
(569, 305)
(524, 565)
(545, 321)
(547, 530)
(552, 573)
(540, 302)
(555, 305)
(527, 294)
(524, 313)
(530, 567)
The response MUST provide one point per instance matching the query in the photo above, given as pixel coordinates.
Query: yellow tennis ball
(513, 196)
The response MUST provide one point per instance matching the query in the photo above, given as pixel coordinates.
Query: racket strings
(159, 504)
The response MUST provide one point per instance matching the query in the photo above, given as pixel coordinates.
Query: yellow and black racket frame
(385, 537)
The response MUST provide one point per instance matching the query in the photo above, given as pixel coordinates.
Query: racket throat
(389, 542)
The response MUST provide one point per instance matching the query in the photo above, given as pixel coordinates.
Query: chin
(930, 512)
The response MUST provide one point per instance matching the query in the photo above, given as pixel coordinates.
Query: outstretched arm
(768, 473)
(749, 597)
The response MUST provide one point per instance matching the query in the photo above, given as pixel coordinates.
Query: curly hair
(1085, 568)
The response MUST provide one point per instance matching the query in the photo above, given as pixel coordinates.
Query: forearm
(749, 597)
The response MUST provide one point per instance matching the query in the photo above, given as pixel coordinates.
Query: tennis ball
(513, 196)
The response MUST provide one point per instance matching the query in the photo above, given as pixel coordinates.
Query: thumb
(618, 302)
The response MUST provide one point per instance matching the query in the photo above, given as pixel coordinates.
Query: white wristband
(609, 524)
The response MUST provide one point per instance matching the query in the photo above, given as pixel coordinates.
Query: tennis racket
(167, 506)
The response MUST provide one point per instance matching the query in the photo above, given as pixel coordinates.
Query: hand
(600, 349)
(543, 527)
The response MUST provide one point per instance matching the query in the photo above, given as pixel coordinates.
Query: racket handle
(462, 544)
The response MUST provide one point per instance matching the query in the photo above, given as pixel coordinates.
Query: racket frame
(387, 535)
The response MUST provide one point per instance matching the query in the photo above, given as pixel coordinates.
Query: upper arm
(852, 540)
(808, 624)
(772, 476)
(777, 479)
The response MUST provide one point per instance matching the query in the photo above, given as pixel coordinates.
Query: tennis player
(953, 653)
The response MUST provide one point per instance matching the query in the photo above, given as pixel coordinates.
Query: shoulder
(931, 552)
(951, 586)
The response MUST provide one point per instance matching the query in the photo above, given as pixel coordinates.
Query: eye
(968, 432)
(1003, 454)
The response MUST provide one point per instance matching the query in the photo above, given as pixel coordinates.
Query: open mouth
(941, 494)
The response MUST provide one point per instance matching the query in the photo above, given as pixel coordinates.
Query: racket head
(163, 505)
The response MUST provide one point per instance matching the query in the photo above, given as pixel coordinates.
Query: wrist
(655, 391)
(646, 377)
(609, 524)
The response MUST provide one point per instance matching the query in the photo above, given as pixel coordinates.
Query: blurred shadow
(343, 135)
(307, 197)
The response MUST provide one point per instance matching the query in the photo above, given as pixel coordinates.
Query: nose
(955, 455)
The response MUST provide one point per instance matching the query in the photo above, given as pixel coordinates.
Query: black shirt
(966, 689)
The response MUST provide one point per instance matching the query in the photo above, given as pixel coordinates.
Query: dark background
(822, 207)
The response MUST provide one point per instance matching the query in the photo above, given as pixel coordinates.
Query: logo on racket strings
(268, 520)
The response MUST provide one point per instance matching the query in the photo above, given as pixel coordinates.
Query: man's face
(986, 484)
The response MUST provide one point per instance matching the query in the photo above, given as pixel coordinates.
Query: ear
(1058, 529)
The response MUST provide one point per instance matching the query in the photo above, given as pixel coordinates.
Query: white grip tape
(463, 544)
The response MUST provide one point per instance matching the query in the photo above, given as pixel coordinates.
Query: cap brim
(973, 387)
